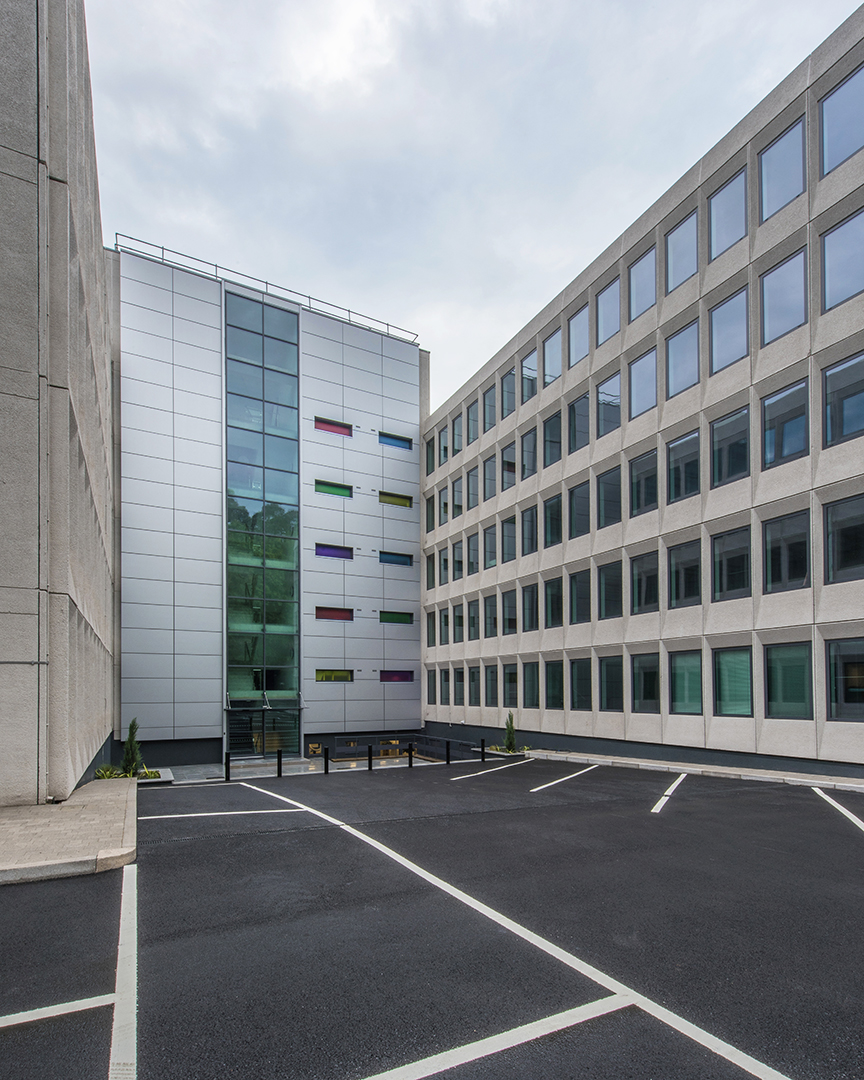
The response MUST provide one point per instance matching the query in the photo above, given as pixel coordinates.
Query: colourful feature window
(327, 487)
(333, 551)
(333, 426)
(396, 676)
(395, 558)
(392, 499)
(395, 440)
(333, 675)
(405, 617)
(335, 614)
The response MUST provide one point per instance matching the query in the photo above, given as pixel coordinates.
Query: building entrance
(263, 731)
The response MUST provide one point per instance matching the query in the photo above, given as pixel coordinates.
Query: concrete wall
(56, 529)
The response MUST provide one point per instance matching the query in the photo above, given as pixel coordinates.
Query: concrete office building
(644, 516)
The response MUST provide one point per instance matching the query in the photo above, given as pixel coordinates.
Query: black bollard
(482, 749)
(227, 766)
(369, 748)
(326, 760)
(279, 762)
(410, 755)
(447, 751)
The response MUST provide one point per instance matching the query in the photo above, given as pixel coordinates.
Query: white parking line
(124, 1033)
(11, 1019)
(449, 1059)
(846, 813)
(484, 772)
(662, 802)
(218, 813)
(697, 1034)
(561, 780)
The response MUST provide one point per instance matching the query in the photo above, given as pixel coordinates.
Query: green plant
(510, 735)
(149, 774)
(132, 763)
(107, 772)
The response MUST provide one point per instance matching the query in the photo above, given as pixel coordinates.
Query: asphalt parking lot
(468, 922)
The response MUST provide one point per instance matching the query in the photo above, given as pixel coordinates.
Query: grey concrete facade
(826, 474)
(57, 686)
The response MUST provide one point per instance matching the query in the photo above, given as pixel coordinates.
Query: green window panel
(281, 486)
(244, 345)
(281, 552)
(279, 419)
(280, 355)
(281, 616)
(392, 498)
(244, 481)
(279, 323)
(244, 514)
(281, 520)
(245, 649)
(281, 584)
(279, 388)
(245, 548)
(685, 683)
(244, 379)
(327, 487)
(245, 614)
(333, 675)
(245, 683)
(240, 311)
(247, 581)
(404, 617)
(733, 682)
(281, 683)
(281, 650)
(245, 412)
(245, 446)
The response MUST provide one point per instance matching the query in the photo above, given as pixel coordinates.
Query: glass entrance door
(261, 732)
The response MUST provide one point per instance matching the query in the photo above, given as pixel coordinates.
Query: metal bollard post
(369, 748)
(279, 762)
(410, 755)
(447, 751)
(482, 749)
(326, 760)
(227, 766)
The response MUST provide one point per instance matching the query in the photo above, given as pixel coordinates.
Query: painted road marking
(572, 776)
(485, 772)
(667, 793)
(450, 1059)
(56, 1010)
(218, 813)
(124, 1033)
(697, 1034)
(846, 813)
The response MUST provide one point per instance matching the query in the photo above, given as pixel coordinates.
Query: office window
(781, 170)
(397, 441)
(846, 679)
(444, 626)
(612, 683)
(490, 469)
(643, 384)
(529, 376)
(552, 358)
(786, 549)
(335, 614)
(445, 687)
(577, 328)
(490, 616)
(580, 684)
(430, 455)
(401, 618)
(843, 121)
(731, 564)
(473, 620)
(727, 213)
(553, 602)
(609, 591)
(733, 682)
(577, 423)
(843, 392)
(457, 434)
(530, 608)
(473, 431)
(531, 685)
(784, 297)
(685, 574)
(443, 445)
(784, 425)
(788, 681)
(609, 497)
(682, 360)
(333, 675)
(491, 676)
(682, 253)
(473, 553)
(552, 439)
(430, 513)
(609, 405)
(529, 453)
(843, 261)
(490, 547)
(643, 284)
(336, 427)
(580, 597)
(443, 567)
(579, 507)
(508, 539)
(609, 311)
(529, 530)
(328, 487)
(552, 521)
(396, 558)
(685, 683)
(458, 685)
(728, 331)
(508, 466)
(431, 697)
(644, 578)
(645, 682)
(730, 447)
(443, 506)
(457, 497)
(554, 684)
(334, 551)
(457, 560)
(643, 484)
(508, 393)
(683, 464)
(458, 623)
(844, 540)
(510, 675)
(489, 418)
(430, 571)
(472, 484)
(394, 498)
(508, 612)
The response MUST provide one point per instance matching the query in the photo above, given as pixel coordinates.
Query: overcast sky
(447, 165)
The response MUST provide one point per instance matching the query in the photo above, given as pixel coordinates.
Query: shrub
(132, 763)
(510, 735)
(107, 772)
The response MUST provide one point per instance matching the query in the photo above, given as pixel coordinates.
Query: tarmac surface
(545, 919)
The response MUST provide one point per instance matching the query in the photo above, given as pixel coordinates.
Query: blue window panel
(395, 558)
(395, 440)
